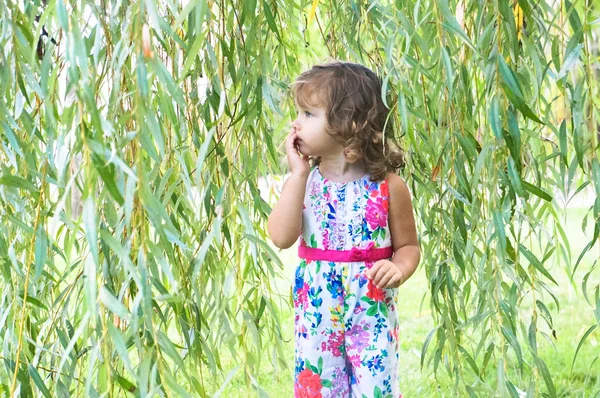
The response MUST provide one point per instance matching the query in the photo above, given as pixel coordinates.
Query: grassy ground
(571, 321)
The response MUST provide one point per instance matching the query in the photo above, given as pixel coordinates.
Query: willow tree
(132, 250)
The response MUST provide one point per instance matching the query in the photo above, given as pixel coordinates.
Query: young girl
(358, 241)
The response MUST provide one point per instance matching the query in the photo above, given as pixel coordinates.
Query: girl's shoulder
(397, 186)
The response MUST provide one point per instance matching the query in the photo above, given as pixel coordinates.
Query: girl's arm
(402, 228)
(285, 221)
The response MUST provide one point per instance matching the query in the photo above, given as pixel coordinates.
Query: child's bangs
(308, 94)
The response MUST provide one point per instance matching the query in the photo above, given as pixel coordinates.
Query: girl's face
(313, 139)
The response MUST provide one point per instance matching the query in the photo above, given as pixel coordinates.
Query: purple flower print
(358, 309)
(326, 239)
(376, 213)
(340, 384)
(359, 337)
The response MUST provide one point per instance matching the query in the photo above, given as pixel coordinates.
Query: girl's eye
(307, 113)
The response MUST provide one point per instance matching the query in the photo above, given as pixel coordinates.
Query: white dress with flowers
(346, 329)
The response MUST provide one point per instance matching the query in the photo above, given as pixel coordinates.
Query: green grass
(570, 323)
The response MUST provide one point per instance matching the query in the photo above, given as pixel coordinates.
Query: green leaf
(513, 90)
(17, 182)
(38, 381)
(383, 309)
(500, 232)
(537, 191)
(448, 69)
(535, 262)
(270, 20)
(541, 365)
(372, 310)
(570, 61)
(515, 178)
(453, 26)
(426, 345)
(469, 360)
(113, 304)
(12, 139)
(107, 173)
(377, 393)
(41, 252)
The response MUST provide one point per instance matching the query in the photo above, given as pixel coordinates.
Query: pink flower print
(303, 294)
(335, 343)
(355, 360)
(359, 337)
(377, 213)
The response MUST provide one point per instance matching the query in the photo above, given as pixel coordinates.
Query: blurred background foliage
(133, 252)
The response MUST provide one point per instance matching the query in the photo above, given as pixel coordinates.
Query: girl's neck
(339, 170)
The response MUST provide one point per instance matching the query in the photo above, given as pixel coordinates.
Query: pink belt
(348, 256)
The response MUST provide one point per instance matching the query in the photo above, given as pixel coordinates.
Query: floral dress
(345, 328)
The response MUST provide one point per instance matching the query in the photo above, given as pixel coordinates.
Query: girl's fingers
(386, 279)
(375, 272)
(290, 143)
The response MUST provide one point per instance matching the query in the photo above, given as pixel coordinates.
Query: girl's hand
(385, 274)
(298, 162)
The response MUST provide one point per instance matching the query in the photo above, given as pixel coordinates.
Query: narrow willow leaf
(270, 19)
(120, 345)
(12, 138)
(107, 173)
(513, 90)
(114, 305)
(167, 80)
(469, 360)
(533, 260)
(186, 11)
(570, 61)
(425, 345)
(453, 26)
(537, 191)
(532, 331)
(574, 19)
(541, 365)
(515, 178)
(449, 71)
(91, 233)
(41, 252)
(192, 54)
(38, 381)
(509, 78)
(17, 182)
(500, 232)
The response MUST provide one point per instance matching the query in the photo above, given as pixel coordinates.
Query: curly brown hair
(356, 114)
